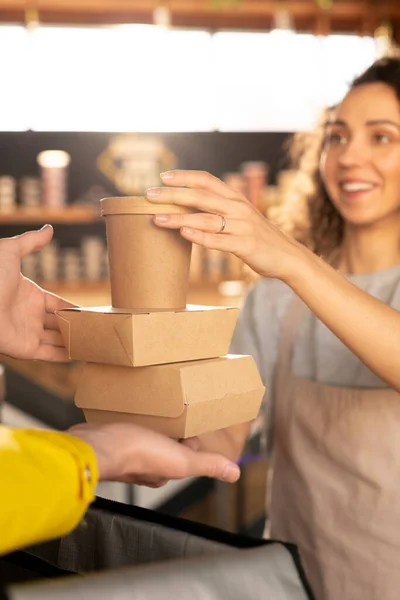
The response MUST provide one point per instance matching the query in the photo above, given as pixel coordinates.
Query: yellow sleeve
(47, 481)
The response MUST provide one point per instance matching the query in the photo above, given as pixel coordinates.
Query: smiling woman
(332, 358)
(360, 164)
(364, 127)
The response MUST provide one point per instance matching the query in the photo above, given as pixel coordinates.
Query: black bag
(130, 552)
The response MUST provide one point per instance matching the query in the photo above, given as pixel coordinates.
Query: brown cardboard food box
(136, 339)
(178, 399)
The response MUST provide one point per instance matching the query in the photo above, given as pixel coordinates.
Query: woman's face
(360, 163)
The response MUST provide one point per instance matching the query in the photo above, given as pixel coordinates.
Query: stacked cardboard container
(151, 359)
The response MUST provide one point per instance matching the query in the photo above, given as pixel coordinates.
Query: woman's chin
(368, 218)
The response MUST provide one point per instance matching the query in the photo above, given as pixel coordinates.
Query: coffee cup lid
(138, 205)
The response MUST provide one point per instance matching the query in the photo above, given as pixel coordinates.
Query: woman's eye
(335, 138)
(382, 138)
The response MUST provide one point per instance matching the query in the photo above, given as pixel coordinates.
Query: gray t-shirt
(317, 353)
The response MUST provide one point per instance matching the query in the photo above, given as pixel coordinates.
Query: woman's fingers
(196, 198)
(199, 180)
(204, 229)
(207, 222)
(242, 246)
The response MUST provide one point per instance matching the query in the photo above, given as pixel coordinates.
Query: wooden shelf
(68, 215)
(344, 15)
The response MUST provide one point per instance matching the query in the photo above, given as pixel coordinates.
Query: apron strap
(288, 332)
(282, 370)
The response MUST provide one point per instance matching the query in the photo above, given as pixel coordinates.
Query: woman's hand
(227, 222)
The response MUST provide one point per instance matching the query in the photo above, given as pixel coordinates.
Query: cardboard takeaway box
(178, 399)
(135, 338)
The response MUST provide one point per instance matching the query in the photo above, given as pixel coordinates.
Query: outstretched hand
(28, 325)
(132, 454)
(227, 222)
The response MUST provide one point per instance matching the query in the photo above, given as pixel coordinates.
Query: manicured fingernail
(44, 227)
(153, 192)
(187, 231)
(167, 175)
(231, 473)
(161, 218)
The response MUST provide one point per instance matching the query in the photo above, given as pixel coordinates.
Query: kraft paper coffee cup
(149, 266)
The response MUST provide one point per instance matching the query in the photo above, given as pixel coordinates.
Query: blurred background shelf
(308, 15)
(67, 215)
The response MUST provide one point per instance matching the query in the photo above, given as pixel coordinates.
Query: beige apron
(336, 480)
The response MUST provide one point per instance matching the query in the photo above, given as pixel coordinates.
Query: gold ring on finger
(223, 224)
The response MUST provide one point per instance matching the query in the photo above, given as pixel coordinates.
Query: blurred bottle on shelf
(30, 191)
(7, 192)
(49, 263)
(30, 266)
(85, 263)
(54, 176)
(93, 249)
(71, 264)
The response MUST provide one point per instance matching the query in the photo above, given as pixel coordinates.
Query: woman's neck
(370, 249)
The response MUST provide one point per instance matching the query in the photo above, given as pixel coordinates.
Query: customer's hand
(246, 232)
(28, 325)
(132, 454)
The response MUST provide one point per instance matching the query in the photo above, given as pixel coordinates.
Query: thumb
(32, 241)
(216, 466)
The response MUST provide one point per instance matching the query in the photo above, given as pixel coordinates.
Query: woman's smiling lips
(355, 188)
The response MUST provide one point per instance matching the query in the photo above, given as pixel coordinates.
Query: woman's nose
(354, 153)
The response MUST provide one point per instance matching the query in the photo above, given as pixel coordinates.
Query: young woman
(326, 340)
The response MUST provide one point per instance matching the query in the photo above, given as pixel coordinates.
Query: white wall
(145, 78)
